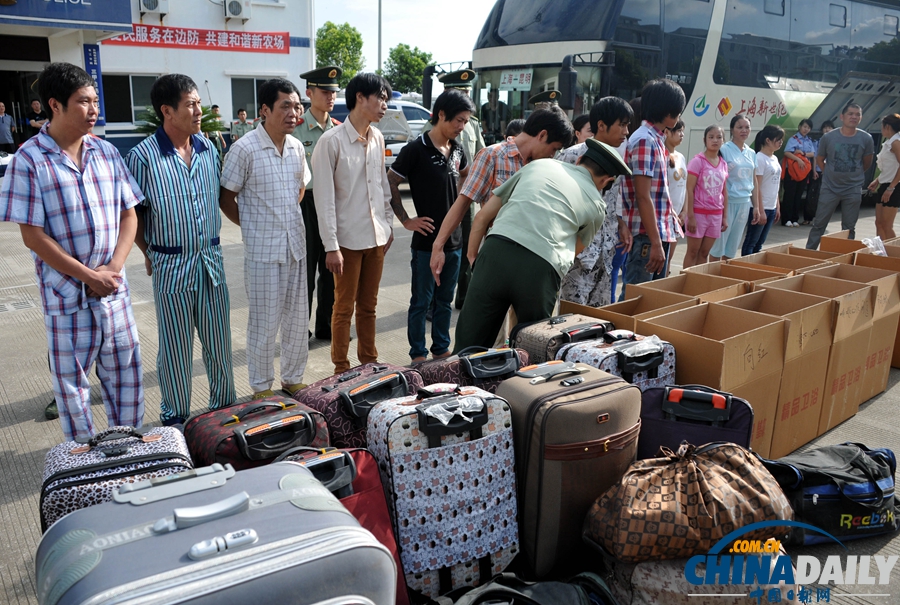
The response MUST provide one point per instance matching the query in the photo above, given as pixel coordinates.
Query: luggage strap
(485, 574)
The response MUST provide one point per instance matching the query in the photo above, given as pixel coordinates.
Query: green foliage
(404, 66)
(340, 45)
(208, 123)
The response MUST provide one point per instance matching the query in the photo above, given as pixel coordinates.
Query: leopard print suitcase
(451, 487)
(78, 475)
(475, 367)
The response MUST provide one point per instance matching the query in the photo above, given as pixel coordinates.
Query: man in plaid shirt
(648, 210)
(74, 202)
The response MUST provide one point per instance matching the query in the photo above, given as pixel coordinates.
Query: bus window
(685, 29)
(873, 38)
(639, 23)
(750, 36)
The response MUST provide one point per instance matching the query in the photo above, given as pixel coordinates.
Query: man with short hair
(36, 118)
(353, 202)
(7, 128)
(844, 156)
(537, 216)
(178, 232)
(321, 88)
(263, 181)
(546, 131)
(589, 281)
(241, 127)
(645, 194)
(74, 199)
(432, 164)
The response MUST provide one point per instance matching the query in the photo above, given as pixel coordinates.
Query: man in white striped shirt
(178, 232)
(263, 182)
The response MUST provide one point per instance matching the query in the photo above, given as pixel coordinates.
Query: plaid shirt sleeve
(20, 196)
(234, 172)
(131, 194)
(478, 184)
(641, 159)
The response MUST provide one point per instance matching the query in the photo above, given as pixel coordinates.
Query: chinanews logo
(700, 107)
(771, 577)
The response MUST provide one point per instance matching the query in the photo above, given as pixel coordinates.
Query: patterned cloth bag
(681, 505)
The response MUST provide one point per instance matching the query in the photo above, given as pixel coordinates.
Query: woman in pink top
(707, 198)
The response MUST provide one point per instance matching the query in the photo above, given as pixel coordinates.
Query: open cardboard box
(884, 322)
(708, 288)
(624, 315)
(797, 264)
(851, 326)
(752, 274)
(822, 255)
(808, 344)
(840, 242)
(732, 350)
(891, 262)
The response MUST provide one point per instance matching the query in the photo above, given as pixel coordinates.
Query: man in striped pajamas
(178, 232)
(263, 182)
(74, 202)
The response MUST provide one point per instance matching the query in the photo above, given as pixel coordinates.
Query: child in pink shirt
(707, 198)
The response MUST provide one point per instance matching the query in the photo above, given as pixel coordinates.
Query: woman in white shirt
(886, 183)
(677, 177)
(768, 181)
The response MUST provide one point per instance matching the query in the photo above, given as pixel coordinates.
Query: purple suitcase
(345, 399)
(475, 367)
(692, 413)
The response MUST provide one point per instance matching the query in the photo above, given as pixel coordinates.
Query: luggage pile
(582, 465)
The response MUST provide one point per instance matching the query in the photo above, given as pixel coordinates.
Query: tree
(340, 45)
(404, 66)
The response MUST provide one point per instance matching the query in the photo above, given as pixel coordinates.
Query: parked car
(5, 158)
(416, 115)
(397, 133)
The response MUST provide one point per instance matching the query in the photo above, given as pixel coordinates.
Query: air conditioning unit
(237, 9)
(153, 7)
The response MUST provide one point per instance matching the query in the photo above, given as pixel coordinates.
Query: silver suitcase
(272, 534)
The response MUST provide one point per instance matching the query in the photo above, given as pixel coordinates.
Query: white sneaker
(789, 224)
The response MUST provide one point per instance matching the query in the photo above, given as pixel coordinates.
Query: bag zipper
(113, 464)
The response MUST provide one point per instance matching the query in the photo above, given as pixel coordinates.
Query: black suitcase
(692, 413)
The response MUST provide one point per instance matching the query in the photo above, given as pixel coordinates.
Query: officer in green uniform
(472, 142)
(321, 88)
(546, 99)
(242, 126)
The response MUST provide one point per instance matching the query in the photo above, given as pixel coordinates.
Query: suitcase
(253, 433)
(77, 475)
(345, 399)
(575, 431)
(353, 476)
(447, 464)
(644, 361)
(542, 339)
(475, 367)
(271, 534)
(692, 413)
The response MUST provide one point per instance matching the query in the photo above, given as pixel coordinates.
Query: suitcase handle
(690, 404)
(434, 429)
(586, 331)
(649, 362)
(619, 335)
(544, 372)
(489, 363)
(197, 515)
(359, 399)
(116, 432)
(335, 468)
(239, 417)
(268, 439)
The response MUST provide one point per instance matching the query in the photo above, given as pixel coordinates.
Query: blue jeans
(636, 263)
(423, 290)
(617, 266)
(756, 234)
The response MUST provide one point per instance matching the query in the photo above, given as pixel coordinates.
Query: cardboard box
(708, 288)
(752, 274)
(624, 315)
(891, 262)
(853, 310)
(821, 255)
(807, 346)
(884, 325)
(840, 242)
(730, 349)
(797, 264)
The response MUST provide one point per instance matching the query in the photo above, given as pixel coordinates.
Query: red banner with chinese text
(160, 36)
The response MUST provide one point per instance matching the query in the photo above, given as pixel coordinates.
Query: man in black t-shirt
(36, 118)
(433, 164)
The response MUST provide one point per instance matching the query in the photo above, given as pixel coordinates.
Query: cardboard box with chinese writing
(624, 315)
(891, 262)
(707, 288)
(726, 348)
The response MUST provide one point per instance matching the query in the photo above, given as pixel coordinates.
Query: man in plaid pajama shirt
(74, 202)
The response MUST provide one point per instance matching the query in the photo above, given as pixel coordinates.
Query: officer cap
(325, 78)
(548, 96)
(607, 158)
(457, 79)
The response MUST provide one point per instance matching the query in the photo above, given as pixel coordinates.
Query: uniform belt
(178, 249)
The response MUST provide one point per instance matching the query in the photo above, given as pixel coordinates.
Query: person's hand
(755, 220)
(777, 214)
(625, 238)
(420, 224)
(334, 262)
(148, 265)
(103, 282)
(691, 223)
(437, 265)
(472, 258)
(762, 219)
(815, 174)
(886, 196)
(873, 185)
(724, 224)
(390, 241)
(657, 259)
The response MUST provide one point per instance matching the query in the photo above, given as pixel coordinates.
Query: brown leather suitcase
(575, 432)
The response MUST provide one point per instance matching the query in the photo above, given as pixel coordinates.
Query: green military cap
(457, 79)
(548, 96)
(325, 78)
(607, 158)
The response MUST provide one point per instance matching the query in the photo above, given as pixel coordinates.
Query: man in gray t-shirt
(844, 156)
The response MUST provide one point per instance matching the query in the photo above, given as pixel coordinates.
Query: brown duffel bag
(682, 504)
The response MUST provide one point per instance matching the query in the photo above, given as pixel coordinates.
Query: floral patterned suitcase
(646, 362)
(475, 366)
(448, 467)
(542, 339)
(345, 399)
(78, 475)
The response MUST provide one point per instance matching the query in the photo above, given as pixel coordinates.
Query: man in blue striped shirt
(178, 232)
